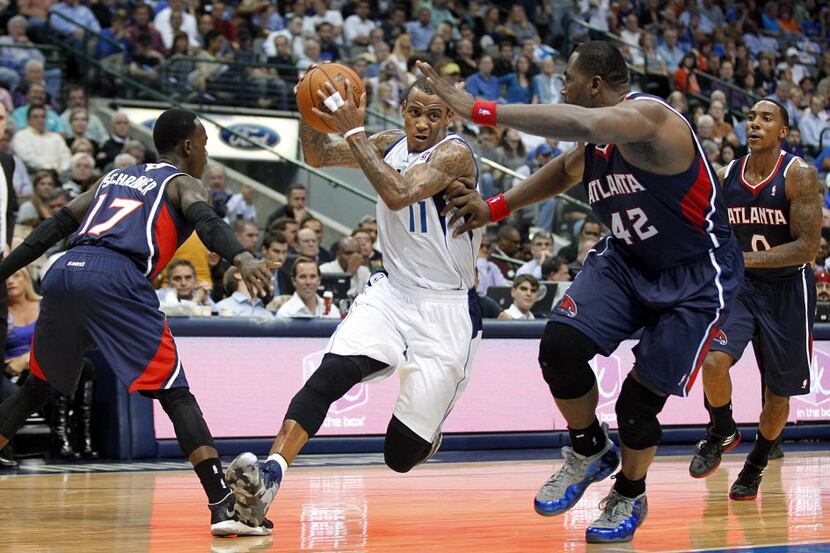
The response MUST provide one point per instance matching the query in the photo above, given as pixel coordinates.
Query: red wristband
(498, 208)
(484, 113)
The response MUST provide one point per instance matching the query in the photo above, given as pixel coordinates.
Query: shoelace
(567, 472)
(611, 503)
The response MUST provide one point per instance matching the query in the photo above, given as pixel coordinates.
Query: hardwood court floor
(440, 507)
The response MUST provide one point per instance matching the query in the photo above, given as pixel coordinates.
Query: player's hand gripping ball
(313, 80)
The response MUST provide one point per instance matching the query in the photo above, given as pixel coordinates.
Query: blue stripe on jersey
(389, 148)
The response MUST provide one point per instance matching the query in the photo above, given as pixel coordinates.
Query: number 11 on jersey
(422, 216)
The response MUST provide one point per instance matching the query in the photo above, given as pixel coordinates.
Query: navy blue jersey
(660, 221)
(131, 214)
(760, 213)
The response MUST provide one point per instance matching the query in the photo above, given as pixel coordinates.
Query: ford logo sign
(236, 136)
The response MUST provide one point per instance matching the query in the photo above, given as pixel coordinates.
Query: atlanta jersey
(659, 220)
(760, 213)
(418, 249)
(132, 215)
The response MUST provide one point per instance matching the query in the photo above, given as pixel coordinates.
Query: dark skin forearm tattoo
(805, 196)
(448, 162)
(321, 151)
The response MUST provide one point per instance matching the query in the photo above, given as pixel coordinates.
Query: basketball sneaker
(566, 486)
(746, 486)
(620, 518)
(225, 522)
(254, 486)
(436, 445)
(710, 450)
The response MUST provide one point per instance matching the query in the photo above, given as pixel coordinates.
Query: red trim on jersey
(160, 367)
(604, 151)
(167, 239)
(700, 358)
(34, 366)
(696, 203)
(755, 188)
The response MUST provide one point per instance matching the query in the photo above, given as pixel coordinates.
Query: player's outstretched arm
(191, 197)
(625, 123)
(804, 193)
(448, 162)
(557, 176)
(48, 233)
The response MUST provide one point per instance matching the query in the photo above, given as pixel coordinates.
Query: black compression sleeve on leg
(214, 233)
(26, 400)
(46, 235)
(403, 448)
(188, 422)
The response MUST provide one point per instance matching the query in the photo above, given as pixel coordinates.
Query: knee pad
(564, 354)
(188, 421)
(637, 409)
(403, 448)
(332, 379)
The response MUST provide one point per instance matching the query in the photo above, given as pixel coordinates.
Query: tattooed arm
(449, 161)
(804, 193)
(321, 151)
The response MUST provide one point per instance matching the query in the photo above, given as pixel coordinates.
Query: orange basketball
(314, 80)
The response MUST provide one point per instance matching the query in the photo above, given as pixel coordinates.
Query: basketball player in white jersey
(420, 317)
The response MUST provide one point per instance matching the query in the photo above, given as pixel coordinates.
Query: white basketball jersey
(418, 248)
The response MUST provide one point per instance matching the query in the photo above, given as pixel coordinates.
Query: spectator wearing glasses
(324, 256)
(525, 294)
(509, 245)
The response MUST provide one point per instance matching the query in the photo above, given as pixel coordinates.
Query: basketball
(314, 80)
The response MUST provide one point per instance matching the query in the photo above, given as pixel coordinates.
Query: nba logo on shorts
(354, 398)
(566, 307)
(720, 338)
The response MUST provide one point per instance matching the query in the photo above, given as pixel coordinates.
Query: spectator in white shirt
(357, 27)
(241, 205)
(349, 260)
(162, 24)
(294, 33)
(305, 275)
(811, 125)
(525, 294)
(542, 249)
(39, 148)
(240, 303)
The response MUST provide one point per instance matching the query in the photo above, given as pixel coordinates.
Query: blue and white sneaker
(566, 486)
(620, 518)
(225, 522)
(254, 486)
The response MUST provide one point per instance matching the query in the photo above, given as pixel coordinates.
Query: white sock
(280, 461)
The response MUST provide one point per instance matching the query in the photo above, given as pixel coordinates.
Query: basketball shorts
(677, 308)
(94, 297)
(777, 316)
(430, 337)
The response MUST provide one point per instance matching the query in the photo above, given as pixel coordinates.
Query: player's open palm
(256, 276)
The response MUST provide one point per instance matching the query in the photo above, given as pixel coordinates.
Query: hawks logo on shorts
(720, 338)
(566, 307)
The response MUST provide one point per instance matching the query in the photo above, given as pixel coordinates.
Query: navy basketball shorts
(777, 316)
(94, 297)
(678, 309)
